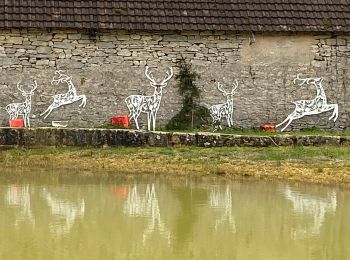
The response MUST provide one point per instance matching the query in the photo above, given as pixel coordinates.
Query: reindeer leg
(154, 121)
(335, 112)
(83, 102)
(47, 112)
(285, 120)
(229, 121)
(148, 121)
(26, 121)
(136, 123)
(288, 123)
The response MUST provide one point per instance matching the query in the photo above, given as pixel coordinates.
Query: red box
(17, 123)
(122, 120)
(268, 127)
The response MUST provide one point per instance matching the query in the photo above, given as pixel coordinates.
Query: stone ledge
(32, 137)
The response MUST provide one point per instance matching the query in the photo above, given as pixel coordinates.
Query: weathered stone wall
(34, 137)
(109, 67)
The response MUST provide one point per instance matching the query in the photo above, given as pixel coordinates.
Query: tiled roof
(223, 15)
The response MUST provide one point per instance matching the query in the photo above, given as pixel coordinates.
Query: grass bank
(326, 164)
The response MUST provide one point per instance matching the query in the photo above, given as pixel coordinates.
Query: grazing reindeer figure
(313, 106)
(138, 104)
(23, 109)
(65, 98)
(225, 109)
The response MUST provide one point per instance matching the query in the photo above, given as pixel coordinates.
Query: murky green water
(150, 218)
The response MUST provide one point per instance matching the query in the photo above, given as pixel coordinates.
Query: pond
(171, 218)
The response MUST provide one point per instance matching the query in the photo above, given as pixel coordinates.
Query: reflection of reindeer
(138, 104)
(313, 106)
(146, 206)
(64, 210)
(23, 109)
(225, 109)
(317, 207)
(65, 98)
(19, 196)
(223, 201)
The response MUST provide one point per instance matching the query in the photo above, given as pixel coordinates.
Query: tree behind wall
(192, 115)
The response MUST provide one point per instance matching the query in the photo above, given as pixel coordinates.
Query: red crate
(17, 123)
(268, 127)
(122, 120)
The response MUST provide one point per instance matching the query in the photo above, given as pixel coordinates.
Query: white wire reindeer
(23, 109)
(65, 98)
(224, 110)
(312, 106)
(149, 105)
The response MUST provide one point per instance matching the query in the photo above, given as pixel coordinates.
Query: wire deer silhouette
(312, 106)
(224, 110)
(149, 105)
(23, 109)
(65, 98)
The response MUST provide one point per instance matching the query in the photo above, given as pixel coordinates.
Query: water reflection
(65, 212)
(311, 205)
(145, 204)
(222, 201)
(167, 219)
(18, 197)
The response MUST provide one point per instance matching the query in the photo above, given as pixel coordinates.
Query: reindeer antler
(60, 78)
(235, 86)
(150, 76)
(34, 86)
(167, 76)
(307, 80)
(220, 88)
(19, 87)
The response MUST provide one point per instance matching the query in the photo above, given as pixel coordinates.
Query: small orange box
(17, 123)
(121, 120)
(268, 127)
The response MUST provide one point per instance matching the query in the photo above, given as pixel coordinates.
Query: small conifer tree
(192, 115)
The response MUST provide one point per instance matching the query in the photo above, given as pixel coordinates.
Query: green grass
(325, 164)
(250, 153)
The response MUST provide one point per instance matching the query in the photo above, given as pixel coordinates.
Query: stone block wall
(109, 67)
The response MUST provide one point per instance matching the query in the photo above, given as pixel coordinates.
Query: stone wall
(36, 137)
(109, 67)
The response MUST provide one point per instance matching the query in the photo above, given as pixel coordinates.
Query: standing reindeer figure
(225, 109)
(23, 109)
(65, 98)
(312, 106)
(138, 104)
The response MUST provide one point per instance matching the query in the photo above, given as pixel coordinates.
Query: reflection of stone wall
(109, 68)
(29, 137)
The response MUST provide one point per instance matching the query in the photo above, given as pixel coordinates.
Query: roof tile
(226, 15)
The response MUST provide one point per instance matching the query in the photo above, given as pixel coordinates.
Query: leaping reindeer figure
(313, 106)
(65, 98)
(23, 109)
(225, 109)
(138, 104)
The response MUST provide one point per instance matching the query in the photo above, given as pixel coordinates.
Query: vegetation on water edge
(326, 164)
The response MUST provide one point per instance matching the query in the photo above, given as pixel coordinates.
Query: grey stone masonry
(34, 137)
(109, 67)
